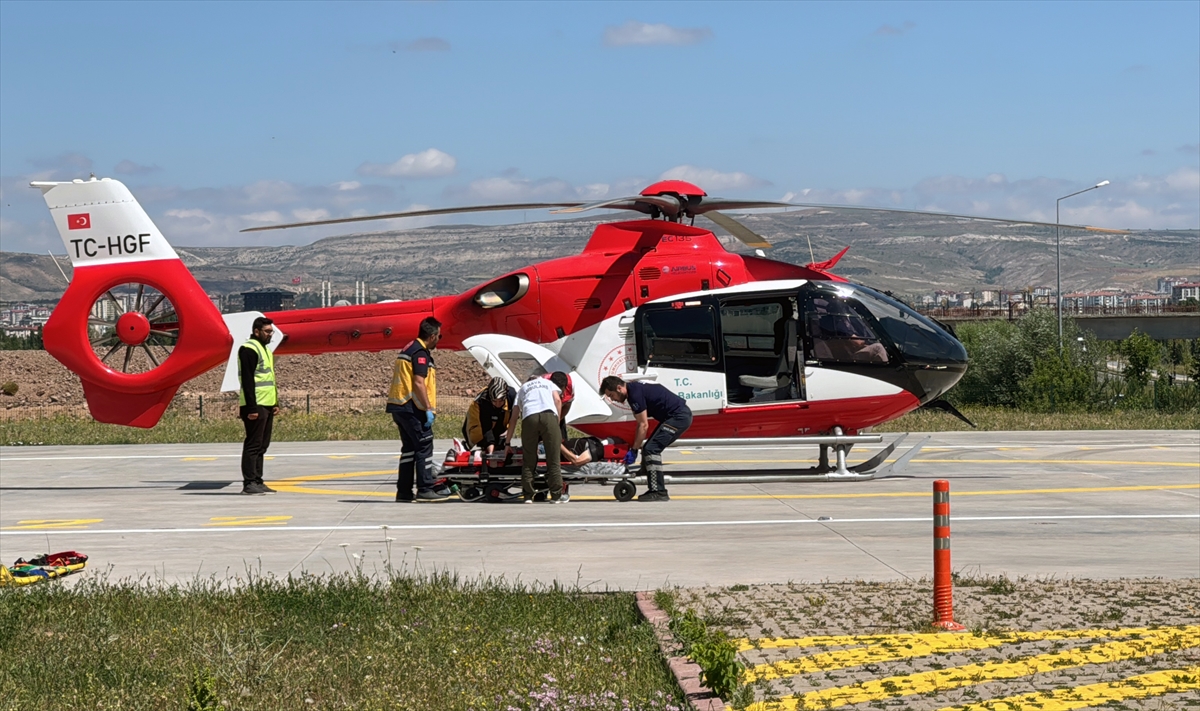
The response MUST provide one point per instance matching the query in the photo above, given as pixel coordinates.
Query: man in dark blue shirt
(673, 415)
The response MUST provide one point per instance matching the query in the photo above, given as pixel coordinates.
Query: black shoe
(444, 491)
(253, 490)
(265, 489)
(404, 499)
(654, 496)
(431, 497)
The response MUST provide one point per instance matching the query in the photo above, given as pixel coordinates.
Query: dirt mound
(43, 381)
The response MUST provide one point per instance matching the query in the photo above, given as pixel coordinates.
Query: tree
(1142, 355)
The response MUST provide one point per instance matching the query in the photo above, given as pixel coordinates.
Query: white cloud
(508, 188)
(267, 217)
(641, 34)
(1170, 201)
(64, 166)
(430, 163)
(713, 181)
(348, 185)
(889, 30)
(128, 167)
(306, 215)
(423, 44)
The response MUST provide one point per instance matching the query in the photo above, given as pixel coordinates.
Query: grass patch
(994, 419)
(177, 427)
(327, 642)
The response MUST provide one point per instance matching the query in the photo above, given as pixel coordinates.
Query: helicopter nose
(935, 379)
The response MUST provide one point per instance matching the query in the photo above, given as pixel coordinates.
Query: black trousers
(667, 432)
(416, 454)
(258, 438)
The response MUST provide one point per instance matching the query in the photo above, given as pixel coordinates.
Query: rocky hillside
(899, 252)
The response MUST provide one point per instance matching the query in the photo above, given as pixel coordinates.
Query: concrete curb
(687, 672)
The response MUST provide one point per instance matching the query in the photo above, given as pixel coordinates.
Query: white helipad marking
(606, 524)
(693, 450)
(204, 456)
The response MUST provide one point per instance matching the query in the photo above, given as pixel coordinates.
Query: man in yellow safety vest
(258, 403)
(412, 402)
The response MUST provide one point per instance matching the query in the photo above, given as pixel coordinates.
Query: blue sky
(226, 115)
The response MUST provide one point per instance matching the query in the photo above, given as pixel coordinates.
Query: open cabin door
(515, 359)
(679, 347)
(764, 350)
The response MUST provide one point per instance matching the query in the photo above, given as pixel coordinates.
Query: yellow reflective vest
(264, 376)
(414, 358)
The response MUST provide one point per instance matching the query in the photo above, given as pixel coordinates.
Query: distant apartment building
(1186, 290)
(1148, 302)
(1166, 285)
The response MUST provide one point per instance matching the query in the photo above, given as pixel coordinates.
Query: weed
(202, 692)
(665, 600)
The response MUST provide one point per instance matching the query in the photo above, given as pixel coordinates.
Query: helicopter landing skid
(877, 467)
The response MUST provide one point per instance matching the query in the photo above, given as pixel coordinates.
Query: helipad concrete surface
(1082, 504)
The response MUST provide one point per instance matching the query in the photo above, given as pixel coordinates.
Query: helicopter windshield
(918, 338)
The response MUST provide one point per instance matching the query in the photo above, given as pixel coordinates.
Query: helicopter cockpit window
(840, 334)
(683, 337)
(918, 338)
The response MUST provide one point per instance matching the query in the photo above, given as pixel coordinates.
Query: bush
(1020, 365)
(9, 388)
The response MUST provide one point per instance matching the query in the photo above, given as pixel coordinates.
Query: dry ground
(43, 381)
(866, 645)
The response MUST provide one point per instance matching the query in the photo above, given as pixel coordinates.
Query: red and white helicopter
(760, 349)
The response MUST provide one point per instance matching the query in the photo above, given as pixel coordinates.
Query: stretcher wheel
(624, 490)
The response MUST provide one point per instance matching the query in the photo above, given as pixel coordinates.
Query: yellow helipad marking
(1146, 644)
(1170, 681)
(199, 459)
(341, 456)
(39, 523)
(925, 494)
(292, 485)
(886, 648)
(292, 489)
(327, 477)
(1103, 462)
(248, 520)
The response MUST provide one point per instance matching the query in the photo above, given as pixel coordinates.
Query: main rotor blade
(669, 204)
(416, 213)
(863, 208)
(737, 229)
(708, 204)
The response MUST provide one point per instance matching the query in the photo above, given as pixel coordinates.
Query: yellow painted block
(1157, 641)
(1142, 686)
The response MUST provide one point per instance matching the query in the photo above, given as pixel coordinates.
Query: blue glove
(429, 418)
(631, 456)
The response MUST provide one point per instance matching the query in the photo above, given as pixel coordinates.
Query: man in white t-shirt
(538, 408)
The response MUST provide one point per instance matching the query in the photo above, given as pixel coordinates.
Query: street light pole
(1058, 257)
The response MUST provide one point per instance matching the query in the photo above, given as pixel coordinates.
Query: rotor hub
(133, 328)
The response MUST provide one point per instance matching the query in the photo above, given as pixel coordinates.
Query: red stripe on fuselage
(791, 419)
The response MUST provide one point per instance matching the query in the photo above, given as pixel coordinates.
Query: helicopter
(760, 349)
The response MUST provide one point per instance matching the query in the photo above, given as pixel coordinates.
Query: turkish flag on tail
(82, 221)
